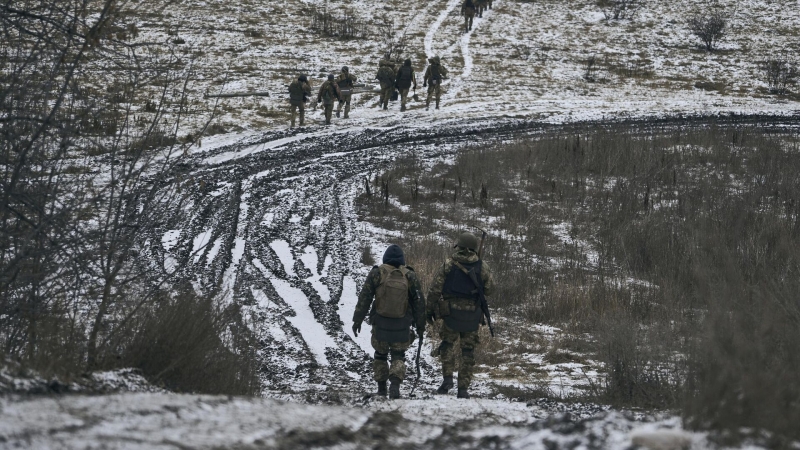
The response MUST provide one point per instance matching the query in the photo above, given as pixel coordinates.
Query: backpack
(405, 73)
(391, 297)
(296, 91)
(385, 74)
(328, 93)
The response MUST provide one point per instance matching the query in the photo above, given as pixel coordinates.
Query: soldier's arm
(487, 278)
(366, 295)
(416, 299)
(435, 289)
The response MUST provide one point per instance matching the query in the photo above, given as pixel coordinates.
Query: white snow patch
(304, 321)
(200, 241)
(170, 239)
(284, 252)
(347, 305)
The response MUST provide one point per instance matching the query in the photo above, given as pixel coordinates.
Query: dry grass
(677, 250)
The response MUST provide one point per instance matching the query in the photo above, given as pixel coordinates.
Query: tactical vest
(460, 285)
(435, 73)
(345, 82)
(296, 92)
(328, 93)
(392, 317)
(404, 77)
(469, 4)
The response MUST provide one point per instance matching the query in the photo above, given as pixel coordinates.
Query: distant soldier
(453, 298)
(345, 81)
(489, 2)
(405, 78)
(468, 11)
(481, 7)
(434, 75)
(299, 91)
(398, 305)
(328, 93)
(386, 77)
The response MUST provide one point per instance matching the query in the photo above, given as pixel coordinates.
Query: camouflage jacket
(365, 298)
(346, 81)
(299, 91)
(435, 289)
(330, 88)
(431, 72)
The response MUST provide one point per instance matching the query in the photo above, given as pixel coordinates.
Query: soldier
(328, 93)
(468, 11)
(345, 82)
(386, 77)
(405, 77)
(398, 304)
(489, 2)
(453, 297)
(299, 91)
(434, 75)
(481, 6)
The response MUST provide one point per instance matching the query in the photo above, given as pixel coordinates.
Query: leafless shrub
(709, 27)
(366, 255)
(620, 9)
(590, 68)
(780, 73)
(392, 43)
(343, 24)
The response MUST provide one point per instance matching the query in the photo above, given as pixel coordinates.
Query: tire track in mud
(273, 232)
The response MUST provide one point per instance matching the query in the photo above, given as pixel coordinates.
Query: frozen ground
(271, 223)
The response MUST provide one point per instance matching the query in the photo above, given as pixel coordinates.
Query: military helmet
(302, 78)
(330, 76)
(467, 240)
(345, 69)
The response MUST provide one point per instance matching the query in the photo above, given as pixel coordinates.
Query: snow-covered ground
(271, 222)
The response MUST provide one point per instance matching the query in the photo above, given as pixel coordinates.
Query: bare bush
(709, 27)
(343, 24)
(620, 9)
(392, 43)
(780, 73)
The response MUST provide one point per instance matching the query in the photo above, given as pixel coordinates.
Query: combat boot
(447, 384)
(381, 388)
(394, 388)
(462, 393)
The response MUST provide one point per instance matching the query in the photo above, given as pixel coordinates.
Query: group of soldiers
(391, 300)
(340, 88)
(472, 8)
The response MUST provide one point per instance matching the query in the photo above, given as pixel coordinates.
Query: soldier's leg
(438, 94)
(302, 108)
(398, 359)
(380, 363)
(431, 87)
(328, 113)
(403, 99)
(339, 108)
(469, 341)
(347, 106)
(293, 110)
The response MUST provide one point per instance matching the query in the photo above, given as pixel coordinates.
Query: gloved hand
(356, 329)
(425, 84)
(431, 318)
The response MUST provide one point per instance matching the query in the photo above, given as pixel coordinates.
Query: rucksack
(405, 73)
(327, 93)
(385, 74)
(391, 297)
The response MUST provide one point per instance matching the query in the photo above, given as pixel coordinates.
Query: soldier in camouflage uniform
(345, 80)
(434, 75)
(299, 91)
(405, 78)
(328, 94)
(468, 11)
(453, 298)
(385, 76)
(390, 336)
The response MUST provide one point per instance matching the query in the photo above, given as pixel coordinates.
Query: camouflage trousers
(383, 350)
(346, 102)
(469, 16)
(294, 109)
(386, 94)
(434, 88)
(447, 353)
(403, 98)
(328, 112)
